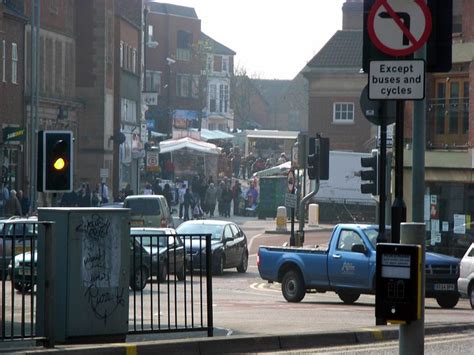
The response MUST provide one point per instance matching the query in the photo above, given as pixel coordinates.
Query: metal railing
(18, 249)
(177, 294)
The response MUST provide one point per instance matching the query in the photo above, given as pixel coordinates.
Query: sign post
(290, 201)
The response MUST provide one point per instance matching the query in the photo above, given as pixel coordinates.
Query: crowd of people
(84, 196)
(234, 164)
(13, 203)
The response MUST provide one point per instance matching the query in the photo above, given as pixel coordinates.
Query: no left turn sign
(399, 27)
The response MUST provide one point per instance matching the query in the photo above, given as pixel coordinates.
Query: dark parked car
(228, 245)
(155, 252)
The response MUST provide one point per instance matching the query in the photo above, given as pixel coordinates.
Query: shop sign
(11, 134)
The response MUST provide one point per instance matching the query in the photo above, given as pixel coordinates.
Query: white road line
(252, 239)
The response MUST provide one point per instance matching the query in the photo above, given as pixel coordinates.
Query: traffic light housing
(313, 166)
(369, 177)
(55, 161)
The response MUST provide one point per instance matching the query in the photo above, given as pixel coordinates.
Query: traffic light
(55, 161)
(313, 158)
(370, 176)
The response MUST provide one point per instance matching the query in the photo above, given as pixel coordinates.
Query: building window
(150, 33)
(225, 64)
(343, 112)
(226, 98)
(212, 98)
(195, 86)
(121, 54)
(217, 63)
(184, 45)
(134, 60)
(182, 85)
(209, 63)
(153, 81)
(4, 59)
(129, 111)
(14, 63)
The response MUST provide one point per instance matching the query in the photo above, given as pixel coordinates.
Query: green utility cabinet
(83, 274)
(271, 195)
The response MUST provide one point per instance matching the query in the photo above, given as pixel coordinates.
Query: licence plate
(444, 287)
(137, 223)
(25, 271)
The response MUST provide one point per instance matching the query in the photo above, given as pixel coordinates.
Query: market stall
(191, 157)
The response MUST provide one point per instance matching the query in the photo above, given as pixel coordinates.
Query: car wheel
(471, 295)
(163, 272)
(292, 286)
(244, 262)
(139, 279)
(348, 297)
(181, 275)
(448, 300)
(219, 266)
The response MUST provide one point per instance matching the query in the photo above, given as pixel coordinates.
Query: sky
(274, 39)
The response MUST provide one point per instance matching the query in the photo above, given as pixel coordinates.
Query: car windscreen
(148, 207)
(18, 229)
(153, 241)
(214, 229)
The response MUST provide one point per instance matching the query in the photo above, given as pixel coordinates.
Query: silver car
(466, 275)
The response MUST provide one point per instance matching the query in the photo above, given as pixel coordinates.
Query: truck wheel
(447, 300)
(471, 295)
(292, 286)
(348, 297)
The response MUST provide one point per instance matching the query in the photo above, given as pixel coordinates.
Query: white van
(148, 211)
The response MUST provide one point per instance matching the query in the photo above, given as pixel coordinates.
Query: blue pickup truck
(347, 267)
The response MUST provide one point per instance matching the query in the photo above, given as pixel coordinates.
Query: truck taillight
(258, 260)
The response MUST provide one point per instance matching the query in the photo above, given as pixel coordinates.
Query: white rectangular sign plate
(397, 80)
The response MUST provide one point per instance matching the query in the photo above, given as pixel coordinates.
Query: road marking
(252, 239)
(131, 349)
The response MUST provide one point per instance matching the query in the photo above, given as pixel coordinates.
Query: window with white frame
(182, 85)
(150, 33)
(212, 98)
(14, 63)
(153, 81)
(121, 54)
(129, 110)
(134, 60)
(343, 112)
(225, 64)
(4, 60)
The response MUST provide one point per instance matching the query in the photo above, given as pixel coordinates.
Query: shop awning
(172, 145)
(281, 169)
(209, 135)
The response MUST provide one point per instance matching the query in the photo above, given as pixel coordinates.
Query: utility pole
(35, 28)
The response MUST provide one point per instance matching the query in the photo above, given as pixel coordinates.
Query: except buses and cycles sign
(399, 27)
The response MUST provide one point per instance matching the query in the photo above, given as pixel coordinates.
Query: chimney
(352, 15)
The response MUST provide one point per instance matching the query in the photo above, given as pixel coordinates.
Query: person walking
(181, 192)
(12, 207)
(188, 203)
(236, 193)
(24, 203)
(167, 194)
(104, 192)
(211, 199)
(226, 199)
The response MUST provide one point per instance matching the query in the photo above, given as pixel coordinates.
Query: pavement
(201, 344)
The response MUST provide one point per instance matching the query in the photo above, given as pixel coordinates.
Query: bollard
(281, 219)
(412, 336)
(313, 214)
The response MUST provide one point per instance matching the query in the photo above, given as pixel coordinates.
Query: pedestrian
(84, 196)
(181, 192)
(12, 207)
(104, 192)
(24, 203)
(226, 200)
(148, 190)
(167, 194)
(236, 193)
(4, 196)
(95, 199)
(188, 203)
(211, 199)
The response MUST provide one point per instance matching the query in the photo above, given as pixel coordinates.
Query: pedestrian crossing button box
(398, 283)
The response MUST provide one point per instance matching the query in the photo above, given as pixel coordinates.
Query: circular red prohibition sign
(401, 23)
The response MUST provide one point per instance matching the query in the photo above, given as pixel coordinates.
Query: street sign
(397, 80)
(291, 181)
(150, 98)
(290, 200)
(399, 27)
(152, 161)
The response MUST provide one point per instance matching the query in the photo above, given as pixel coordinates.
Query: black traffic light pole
(399, 210)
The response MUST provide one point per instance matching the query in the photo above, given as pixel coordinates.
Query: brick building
(12, 109)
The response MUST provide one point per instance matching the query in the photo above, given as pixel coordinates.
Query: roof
(216, 47)
(343, 50)
(172, 145)
(209, 135)
(206, 221)
(272, 134)
(171, 9)
(271, 90)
